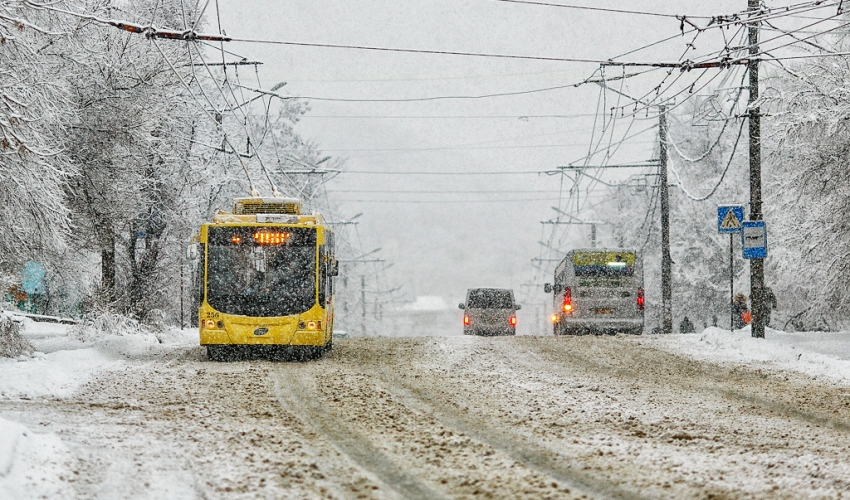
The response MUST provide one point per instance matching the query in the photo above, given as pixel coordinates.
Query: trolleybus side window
(261, 271)
(323, 275)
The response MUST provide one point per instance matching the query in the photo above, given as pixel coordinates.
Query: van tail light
(640, 299)
(466, 320)
(568, 300)
(513, 320)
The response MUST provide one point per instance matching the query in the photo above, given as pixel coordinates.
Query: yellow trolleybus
(265, 281)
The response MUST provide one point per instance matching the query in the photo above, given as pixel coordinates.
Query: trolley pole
(666, 261)
(756, 265)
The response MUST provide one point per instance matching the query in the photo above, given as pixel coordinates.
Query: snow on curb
(69, 361)
(799, 352)
(31, 465)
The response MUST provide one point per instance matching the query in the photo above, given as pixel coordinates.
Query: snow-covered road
(681, 416)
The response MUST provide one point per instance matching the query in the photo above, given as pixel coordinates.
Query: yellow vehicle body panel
(285, 330)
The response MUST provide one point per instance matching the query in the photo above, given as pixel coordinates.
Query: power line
(448, 117)
(434, 172)
(443, 202)
(443, 97)
(602, 9)
(419, 191)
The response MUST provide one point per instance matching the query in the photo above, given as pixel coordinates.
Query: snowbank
(65, 358)
(818, 354)
(32, 465)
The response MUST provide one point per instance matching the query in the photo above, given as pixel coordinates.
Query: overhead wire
(252, 188)
(601, 9)
(722, 175)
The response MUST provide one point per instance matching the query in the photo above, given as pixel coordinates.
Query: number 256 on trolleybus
(264, 283)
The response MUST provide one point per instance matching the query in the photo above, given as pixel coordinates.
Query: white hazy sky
(442, 241)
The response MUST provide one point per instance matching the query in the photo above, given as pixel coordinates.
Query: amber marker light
(554, 318)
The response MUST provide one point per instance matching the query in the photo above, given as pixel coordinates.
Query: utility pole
(756, 265)
(666, 261)
(363, 304)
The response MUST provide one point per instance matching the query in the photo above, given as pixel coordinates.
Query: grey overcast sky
(446, 233)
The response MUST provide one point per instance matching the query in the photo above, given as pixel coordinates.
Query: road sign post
(729, 220)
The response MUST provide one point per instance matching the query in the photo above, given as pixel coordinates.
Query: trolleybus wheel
(217, 352)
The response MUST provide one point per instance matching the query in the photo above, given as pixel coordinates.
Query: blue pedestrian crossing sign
(730, 218)
(754, 239)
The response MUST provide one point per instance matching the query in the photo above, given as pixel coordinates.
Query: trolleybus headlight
(314, 325)
(209, 324)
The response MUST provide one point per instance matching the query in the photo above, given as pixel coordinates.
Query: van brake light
(513, 320)
(466, 319)
(640, 299)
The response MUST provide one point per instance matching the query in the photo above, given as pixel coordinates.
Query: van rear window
(604, 264)
(490, 299)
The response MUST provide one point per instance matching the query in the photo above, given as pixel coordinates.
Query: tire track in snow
(702, 377)
(303, 400)
(519, 448)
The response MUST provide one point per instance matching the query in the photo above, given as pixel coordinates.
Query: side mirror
(335, 269)
(547, 288)
(192, 251)
(517, 307)
(461, 306)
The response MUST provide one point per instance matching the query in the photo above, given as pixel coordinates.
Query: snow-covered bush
(12, 343)
(105, 324)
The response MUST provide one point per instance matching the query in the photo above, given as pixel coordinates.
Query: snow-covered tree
(33, 161)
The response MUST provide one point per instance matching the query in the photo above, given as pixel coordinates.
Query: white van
(598, 291)
(489, 311)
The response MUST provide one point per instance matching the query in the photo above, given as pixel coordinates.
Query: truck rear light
(513, 320)
(640, 299)
(568, 300)
(466, 320)
(554, 318)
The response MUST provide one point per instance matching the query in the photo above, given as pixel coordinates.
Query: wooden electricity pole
(666, 261)
(754, 113)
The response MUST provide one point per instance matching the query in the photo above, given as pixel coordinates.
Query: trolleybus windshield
(261, 271)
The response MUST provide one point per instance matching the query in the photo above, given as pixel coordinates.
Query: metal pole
(181, 294)
(593, 236)
(666, 261)
(731, 285)
(363, 303)
(756, 265)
